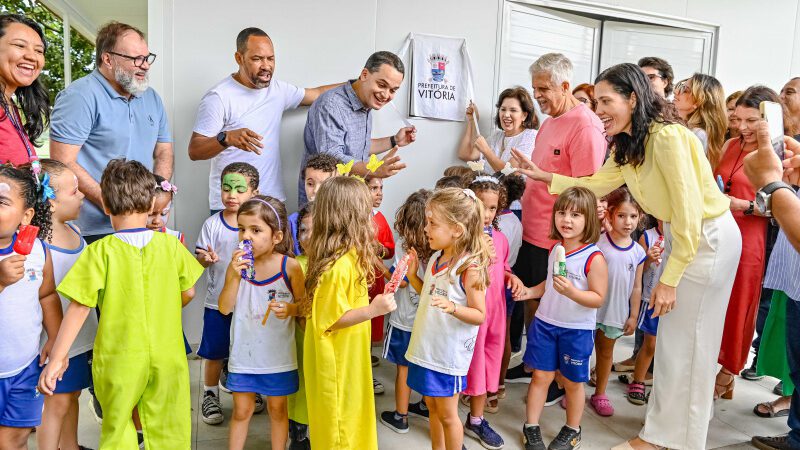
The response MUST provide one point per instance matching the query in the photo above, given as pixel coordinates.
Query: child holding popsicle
(561, 335)
(60, 415)
(452, 306)
(28, 300)
(263, 357)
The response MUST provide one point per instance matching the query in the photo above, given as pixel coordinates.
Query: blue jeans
(793, 354)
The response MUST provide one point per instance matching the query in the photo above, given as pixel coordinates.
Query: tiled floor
(732, 427)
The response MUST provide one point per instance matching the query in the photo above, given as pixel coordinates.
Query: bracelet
(392, 141)
(455, 307)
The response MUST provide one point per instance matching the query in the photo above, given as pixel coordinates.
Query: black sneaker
(518, 375)
(375, 361)
(532, 437)
(567, 439)
(96, 409)
(260, 404)
(396, 422)
(419, 409)
(771, 442)
(554, 394)
(778, 389)
(484, 434)
(751, 374)
(211, 409)
(298, 436)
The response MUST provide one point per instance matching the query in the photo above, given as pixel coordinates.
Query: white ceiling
(89, 15)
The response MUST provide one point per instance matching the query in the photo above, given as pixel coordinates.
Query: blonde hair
(711, 114)
(460, 207)
(583, 201)
(342, 221)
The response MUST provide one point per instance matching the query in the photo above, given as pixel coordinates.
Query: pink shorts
(484, 371)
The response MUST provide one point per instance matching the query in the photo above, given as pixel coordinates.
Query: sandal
(593, 377)
(501, 391)
(492, 404)
(627, 378)
(724, 391)
(636, 393)
(770, 410)
(465, 400)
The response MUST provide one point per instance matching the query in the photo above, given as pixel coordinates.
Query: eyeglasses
(583, 100)
(138, 60)
(653, 76)
(682, 87)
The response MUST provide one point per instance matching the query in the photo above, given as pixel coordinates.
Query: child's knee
(572, 386)
(542, 376)
(243, 410)
(278, 408)
(59, 404)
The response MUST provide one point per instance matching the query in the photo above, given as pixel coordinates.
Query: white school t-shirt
(502, 145)
(230, 106)
(21, 313)
(511, 227)
(652, 274)
(63, 259)
(559, 310)
(223, 238)
(256, 348)
(407, 298)
(439, 341)
(622, 264)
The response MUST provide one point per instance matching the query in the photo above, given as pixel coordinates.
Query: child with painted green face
(218, 240)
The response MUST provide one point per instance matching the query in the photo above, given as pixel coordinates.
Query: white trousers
(689, 338)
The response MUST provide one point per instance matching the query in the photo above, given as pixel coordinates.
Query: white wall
(323, 42)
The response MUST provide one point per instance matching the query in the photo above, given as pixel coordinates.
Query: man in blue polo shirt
(108, 114)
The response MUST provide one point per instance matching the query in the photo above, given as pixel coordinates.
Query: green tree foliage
(81, 49)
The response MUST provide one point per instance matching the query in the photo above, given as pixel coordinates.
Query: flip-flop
(771, 411)
(627, 378)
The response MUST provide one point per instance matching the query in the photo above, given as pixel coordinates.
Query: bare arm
(475, 311)
(70, 327)
(51, 309)
(227, 298)
(187, 296)
(636, 295)
(163, 159)
(466, 150)
(784, 208)
(68, 154)
(532, 292)
(312, 93)
(381, 304)
(598, 284)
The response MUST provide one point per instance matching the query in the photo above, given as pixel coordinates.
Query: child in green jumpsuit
(139, 280)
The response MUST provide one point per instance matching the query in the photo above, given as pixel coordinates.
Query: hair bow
(47, 191)
(476, 166)
(469, 193)
(166, 186)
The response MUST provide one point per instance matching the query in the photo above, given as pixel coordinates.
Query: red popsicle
(400, 271)
(25, 239)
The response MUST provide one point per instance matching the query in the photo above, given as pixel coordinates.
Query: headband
(469, 193)
(487, 178)
(166, 186)
(254, 199)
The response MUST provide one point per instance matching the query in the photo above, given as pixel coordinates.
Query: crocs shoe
(602, 405)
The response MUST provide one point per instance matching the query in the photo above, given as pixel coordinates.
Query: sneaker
(484, 434)
(140, 438)
(532, 437)
(212, 409)
(260, 405)
(298, 436)
(377, 386)
(567, 439)
(751, 374)
(375, 360)
(419, 409)
(777, 390)
(771, 442)
(303, 444)
(96, 409)
(80, 447)
(396, 422)
(223, 381)
(554, 394)
(602, 405)
(518, 375)
(636, 393)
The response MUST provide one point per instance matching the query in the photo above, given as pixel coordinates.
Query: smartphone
(773, 113)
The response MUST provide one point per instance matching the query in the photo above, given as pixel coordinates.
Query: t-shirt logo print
(438, 63)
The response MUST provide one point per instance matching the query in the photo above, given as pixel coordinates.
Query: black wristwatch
(764, 196)
(750, 209)
(393, 142)
(221, 138)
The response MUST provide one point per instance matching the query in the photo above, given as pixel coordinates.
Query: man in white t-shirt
(239, 118)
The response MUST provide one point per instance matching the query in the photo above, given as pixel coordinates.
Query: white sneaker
(377, 386)
(260, 405)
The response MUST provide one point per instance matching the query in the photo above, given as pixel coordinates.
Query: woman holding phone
(666, 170)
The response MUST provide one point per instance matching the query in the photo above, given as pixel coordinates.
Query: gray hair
(377, 59)
(557, 65)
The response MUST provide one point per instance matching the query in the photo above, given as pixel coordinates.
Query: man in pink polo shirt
(571, 142)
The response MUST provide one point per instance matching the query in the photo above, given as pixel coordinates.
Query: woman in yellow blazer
(666, 170)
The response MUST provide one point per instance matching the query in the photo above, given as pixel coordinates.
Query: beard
(259, 83)
(129, 82)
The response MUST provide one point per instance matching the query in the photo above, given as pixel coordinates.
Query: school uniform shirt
(559, 310)
(439, 341)
(652, 273)
(21, 313)
(407, 298)
(63, 259)
(622, 264)
(223, 238)
(511, 227)
(175, 233)
(266, 348)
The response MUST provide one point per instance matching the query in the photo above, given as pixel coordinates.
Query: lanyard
(16, 120)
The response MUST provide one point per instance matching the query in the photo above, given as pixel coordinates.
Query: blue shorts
(186, 345)
(269, 384)
(647, 323)
(395, 345)
(434, 384)
(216, 340)
(510, 304)
(552, 348)
(20, 402)
(78, 375)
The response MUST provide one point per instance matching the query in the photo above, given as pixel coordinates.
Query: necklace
(16, 121)
(736, 167)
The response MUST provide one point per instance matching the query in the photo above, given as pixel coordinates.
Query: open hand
(244, 139)
(526, 167)
(391, 164)
(207, 257)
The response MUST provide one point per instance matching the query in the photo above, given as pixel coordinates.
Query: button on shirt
(107, 125)
(338, 124)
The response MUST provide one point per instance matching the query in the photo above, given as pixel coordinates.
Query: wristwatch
(750, 209)
(392, 141)
(764, 197)
(221, 138)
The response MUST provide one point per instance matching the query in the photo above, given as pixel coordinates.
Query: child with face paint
(28, 304)
(59, 427)
(218, 239)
